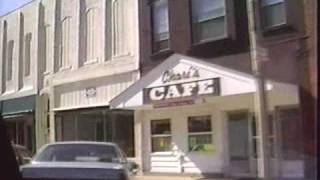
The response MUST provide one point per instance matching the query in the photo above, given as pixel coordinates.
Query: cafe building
(191, 116)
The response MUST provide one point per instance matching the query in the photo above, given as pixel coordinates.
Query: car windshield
(78, 153)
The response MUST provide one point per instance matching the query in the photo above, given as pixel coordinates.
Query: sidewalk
(158, 177)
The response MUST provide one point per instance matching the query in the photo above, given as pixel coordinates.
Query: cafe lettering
(183, 90)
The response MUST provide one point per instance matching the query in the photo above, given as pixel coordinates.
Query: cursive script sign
(171, 75)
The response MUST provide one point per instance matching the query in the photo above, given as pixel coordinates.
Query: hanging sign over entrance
(183, 92)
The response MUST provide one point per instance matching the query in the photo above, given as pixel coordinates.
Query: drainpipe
(260, 104)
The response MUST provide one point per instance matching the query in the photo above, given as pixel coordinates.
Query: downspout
(260, 104)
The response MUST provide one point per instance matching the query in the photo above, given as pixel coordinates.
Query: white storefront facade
(90, 58)
(196, 117)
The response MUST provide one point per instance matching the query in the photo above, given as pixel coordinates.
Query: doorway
(240, 146)
(20, 131)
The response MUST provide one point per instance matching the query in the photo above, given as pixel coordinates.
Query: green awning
(18, 106)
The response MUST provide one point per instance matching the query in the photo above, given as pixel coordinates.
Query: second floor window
(65, 44)
(91, 31)
(27, 54)
(9, 60)
(47, 48)
(160, 25)
(273, 12)
(208, 20)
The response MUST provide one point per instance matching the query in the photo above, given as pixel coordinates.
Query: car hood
(73, 170)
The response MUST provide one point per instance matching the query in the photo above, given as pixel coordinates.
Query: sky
(9, 5)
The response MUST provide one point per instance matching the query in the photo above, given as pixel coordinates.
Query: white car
(78, 160)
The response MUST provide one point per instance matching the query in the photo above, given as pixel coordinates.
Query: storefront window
(88, 125)
(161, 135)
(200, 134)
(97, 125)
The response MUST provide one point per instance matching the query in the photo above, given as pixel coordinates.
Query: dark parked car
(78, 160)
(23, 155)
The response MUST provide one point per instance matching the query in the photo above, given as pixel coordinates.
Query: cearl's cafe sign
(182, 93)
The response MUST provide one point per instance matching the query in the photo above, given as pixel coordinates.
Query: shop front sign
(172, 75)
(182, 92)
(91, 92)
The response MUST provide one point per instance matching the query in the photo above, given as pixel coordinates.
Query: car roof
(83, 142)
(75, 142)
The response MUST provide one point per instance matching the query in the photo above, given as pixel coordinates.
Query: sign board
(181, 93)
(91, 92)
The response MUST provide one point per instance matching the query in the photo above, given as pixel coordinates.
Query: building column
(40, 121)
(138, 135)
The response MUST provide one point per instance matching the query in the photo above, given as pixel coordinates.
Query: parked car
(79, 160)
(23, 155)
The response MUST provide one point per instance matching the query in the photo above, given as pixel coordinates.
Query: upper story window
(9, 60)
(65, 43)
(273, 13)
(91, 31)
(47, 48)
(27, 54)
(208, 20)
(160, 25)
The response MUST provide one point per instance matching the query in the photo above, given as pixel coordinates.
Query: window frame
(153, 41)
(152, 136)
(9, 60)
(27, 54)
(227, 17)
(199, 133)
(262, 18)
(90, 29)
(48, 46)
(65, 42)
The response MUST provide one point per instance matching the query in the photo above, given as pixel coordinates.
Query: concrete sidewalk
(158, 177)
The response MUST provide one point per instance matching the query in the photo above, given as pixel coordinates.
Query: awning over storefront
(18, 106)
(182, 80)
